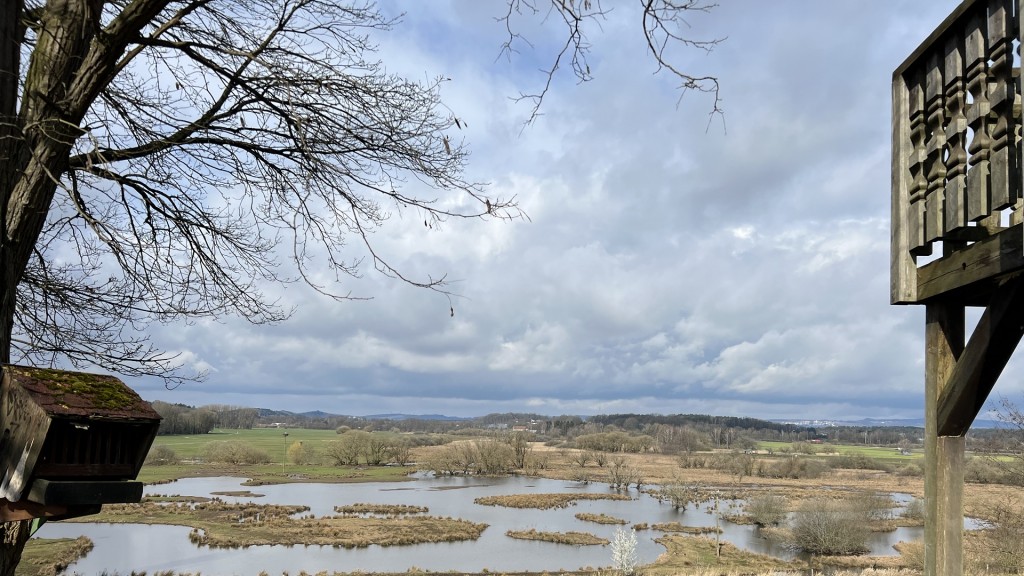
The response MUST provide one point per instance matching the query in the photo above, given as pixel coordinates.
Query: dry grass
(49, 557)
(574, 538)
(687, 555)
(238, 494)
(381, 509)
(221, 525)
(681, 529)
(544, 501)
(600, 518)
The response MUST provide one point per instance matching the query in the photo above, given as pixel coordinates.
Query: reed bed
(544, 501)
(221, 525)
(573, 538)
(380, 509)
(600, 518)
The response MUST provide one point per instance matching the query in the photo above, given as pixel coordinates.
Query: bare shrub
(494, 457)
(680, 494)
(859, 462)
(521, 448)
(347, 450)
(911, 469)
(914, 510)
(621, 474)
(162, 455)
(830, 528)
(692, 460)
(793, 467)
(875, 506)
(1001, 543)
(766, 509)
(297, 453)
(400, 452)
(234, 452)
(581, 458)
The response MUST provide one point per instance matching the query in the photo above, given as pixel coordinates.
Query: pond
(124, 548)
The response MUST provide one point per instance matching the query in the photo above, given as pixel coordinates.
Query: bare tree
(167, 159)
(665, 28)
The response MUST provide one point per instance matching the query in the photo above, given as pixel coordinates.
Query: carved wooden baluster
(934, 167)
(956, 136)
(1002, 89)
(978, 198)
(918, 185)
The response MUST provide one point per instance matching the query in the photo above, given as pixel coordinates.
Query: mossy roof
(68, 393)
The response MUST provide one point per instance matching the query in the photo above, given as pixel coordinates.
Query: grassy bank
(572, 538)
(221, 525)
(543, 501)
(50, 556)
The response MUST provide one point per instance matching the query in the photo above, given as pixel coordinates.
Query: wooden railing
(956, 142)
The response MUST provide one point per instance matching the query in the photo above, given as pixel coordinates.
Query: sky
(673, 262)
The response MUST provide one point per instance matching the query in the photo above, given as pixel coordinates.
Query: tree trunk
(15, 534)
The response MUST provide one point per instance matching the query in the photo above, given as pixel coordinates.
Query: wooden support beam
(902, 266)
(949, 517)
(943, 484)
(977, 369)
(973, 268)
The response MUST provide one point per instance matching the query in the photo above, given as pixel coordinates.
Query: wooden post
(944, 481)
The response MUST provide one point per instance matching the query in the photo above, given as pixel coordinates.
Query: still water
(124, 548)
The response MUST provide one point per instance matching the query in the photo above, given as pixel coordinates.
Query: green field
(888, 454)
(273, 441)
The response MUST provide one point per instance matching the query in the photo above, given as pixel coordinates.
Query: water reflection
(123, 548)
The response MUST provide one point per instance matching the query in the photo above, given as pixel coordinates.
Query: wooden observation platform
(957, 234)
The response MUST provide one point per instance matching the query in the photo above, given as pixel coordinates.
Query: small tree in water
(624, 551)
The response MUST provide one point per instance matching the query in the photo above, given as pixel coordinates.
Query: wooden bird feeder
(71, 441)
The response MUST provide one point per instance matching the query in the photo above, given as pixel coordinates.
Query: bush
(912, 469)
(793, 467)
(162, 455)
(766, 509)
(859, 462)
(679, 494)
(297, 453)
(623, 546)
(873, 505)
(985, 471)
(914, 510)
(234, 452)
(1002, 544)
(830, 528)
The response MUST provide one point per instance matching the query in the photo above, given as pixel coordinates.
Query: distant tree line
(183, 419)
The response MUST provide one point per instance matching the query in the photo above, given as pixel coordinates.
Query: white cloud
(668, 266)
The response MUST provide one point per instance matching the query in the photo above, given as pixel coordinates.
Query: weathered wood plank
(84, 492)
(24, 429)
(949, 520)
(978, 264)
(944, 342)
(979, 200)
(902, 266)
(956, 136)
(1001, 89)
(934, 37)
(918, 184)
(935, 166)
(988, 350)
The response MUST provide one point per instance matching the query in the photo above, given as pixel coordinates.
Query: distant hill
(885, 423)
(414, 417)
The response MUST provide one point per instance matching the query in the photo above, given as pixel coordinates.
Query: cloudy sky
(670, 265)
